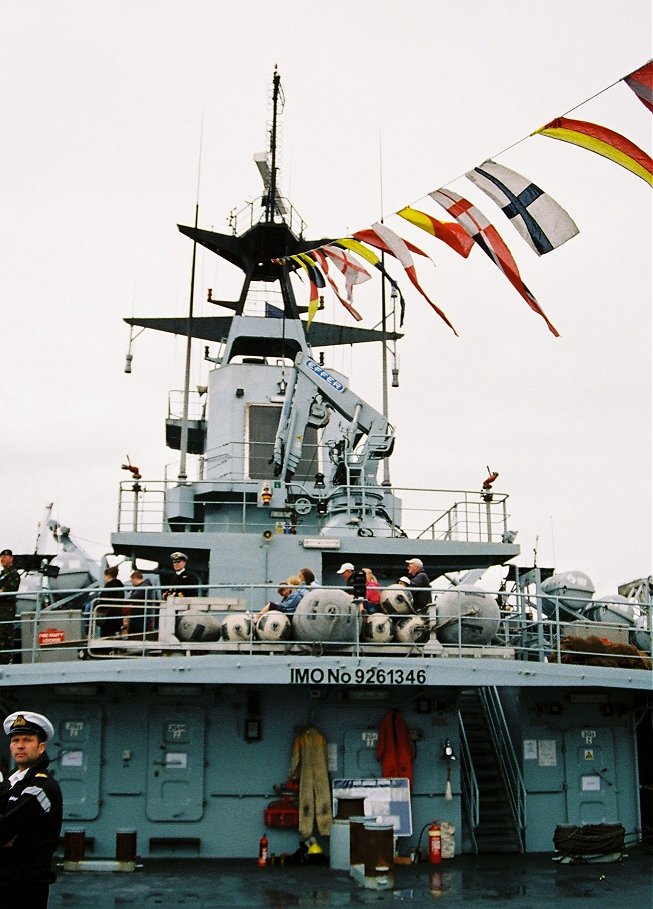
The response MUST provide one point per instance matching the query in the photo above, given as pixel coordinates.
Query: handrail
(414, 512)
(522, 634)
(508, 762)
(469, 783)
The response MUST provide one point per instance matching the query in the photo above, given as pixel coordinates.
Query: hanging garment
(394, 750)
(309, 763)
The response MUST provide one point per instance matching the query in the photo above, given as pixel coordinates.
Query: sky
(119, 116)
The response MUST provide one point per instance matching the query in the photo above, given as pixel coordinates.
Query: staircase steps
(496, 831)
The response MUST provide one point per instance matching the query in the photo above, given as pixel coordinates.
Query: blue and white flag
(543, 223)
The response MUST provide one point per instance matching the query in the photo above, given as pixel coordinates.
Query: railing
(507, 758)
(64, 624)
(409, 512)
(469, 784)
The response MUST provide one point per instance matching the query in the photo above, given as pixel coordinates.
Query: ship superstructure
(182, 732)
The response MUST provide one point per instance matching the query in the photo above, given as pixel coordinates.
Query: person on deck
(291, 592)
(109, 612)
(185, 584)
(372, 592)
(135, 620)
(30, 814)
(9, 583)
(420, 585)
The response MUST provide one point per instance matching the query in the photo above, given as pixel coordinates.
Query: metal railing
(469, 784)
(64, 624)
(409, 512)
(507, 758)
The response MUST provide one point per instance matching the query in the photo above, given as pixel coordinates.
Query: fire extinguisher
(262, 851)
(435, 844)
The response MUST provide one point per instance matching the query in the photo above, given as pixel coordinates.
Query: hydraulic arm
(311, 394)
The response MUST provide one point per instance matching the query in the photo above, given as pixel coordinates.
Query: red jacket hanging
(395, 748)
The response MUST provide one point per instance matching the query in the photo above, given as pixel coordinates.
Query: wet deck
(527, 882)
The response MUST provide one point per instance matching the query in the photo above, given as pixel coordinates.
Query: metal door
(590, 776)
(360, 754)
(175, 771)
(78, 738)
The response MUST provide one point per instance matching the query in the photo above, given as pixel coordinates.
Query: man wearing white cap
(420, 585)
(30, 814)
(184, 580)
(355, 580)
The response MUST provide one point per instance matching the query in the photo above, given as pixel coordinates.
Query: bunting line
(382, 237)
(488, 238)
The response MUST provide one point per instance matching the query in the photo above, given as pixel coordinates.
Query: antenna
(267, 161)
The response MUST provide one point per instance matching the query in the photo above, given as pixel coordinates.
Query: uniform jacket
(9, 583)
(182, 579)
(30, 820)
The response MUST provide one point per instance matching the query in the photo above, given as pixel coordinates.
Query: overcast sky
(104, 104)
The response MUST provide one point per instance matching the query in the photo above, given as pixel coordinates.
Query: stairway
(496, 831)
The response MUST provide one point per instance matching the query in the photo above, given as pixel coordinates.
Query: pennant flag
(360, 249)
(450, 233)
(604, 142)
(273, 312)
(488, 238)
(323, 262)
(315, 280)
(641, 82)
(352, 271)
(539, 219)
(370, 237)
(382, 237)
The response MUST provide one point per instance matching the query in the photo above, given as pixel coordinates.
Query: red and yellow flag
(452, 234)
(604, 142)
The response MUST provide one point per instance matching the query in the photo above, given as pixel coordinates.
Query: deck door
(175, 771)
(360, 754)
(77, 747)
(591, 778)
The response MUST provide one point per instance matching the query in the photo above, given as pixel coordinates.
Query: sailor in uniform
(9, 583)
(183, 578)
(30, 814)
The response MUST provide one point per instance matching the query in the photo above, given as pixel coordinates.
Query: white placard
(72, 759)
(530, 749)
(177, 759)
(547, 753)
(591, 784)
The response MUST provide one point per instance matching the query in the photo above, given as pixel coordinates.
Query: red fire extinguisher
(435, 844)
(262, 852)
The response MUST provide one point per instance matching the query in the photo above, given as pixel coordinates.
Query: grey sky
(101, 133)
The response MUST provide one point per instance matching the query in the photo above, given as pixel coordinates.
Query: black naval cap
(25, 722)
(6, 552)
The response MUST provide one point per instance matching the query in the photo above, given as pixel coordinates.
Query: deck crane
(313, 393)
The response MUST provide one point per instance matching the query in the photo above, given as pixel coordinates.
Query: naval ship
(184, 732)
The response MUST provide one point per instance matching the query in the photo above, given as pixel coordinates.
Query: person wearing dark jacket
(136, 619)
(30, 814)
(109, 610)
(9, 583)
(183, 578)
(419, 579)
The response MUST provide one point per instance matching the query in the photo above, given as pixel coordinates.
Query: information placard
(387, 800)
